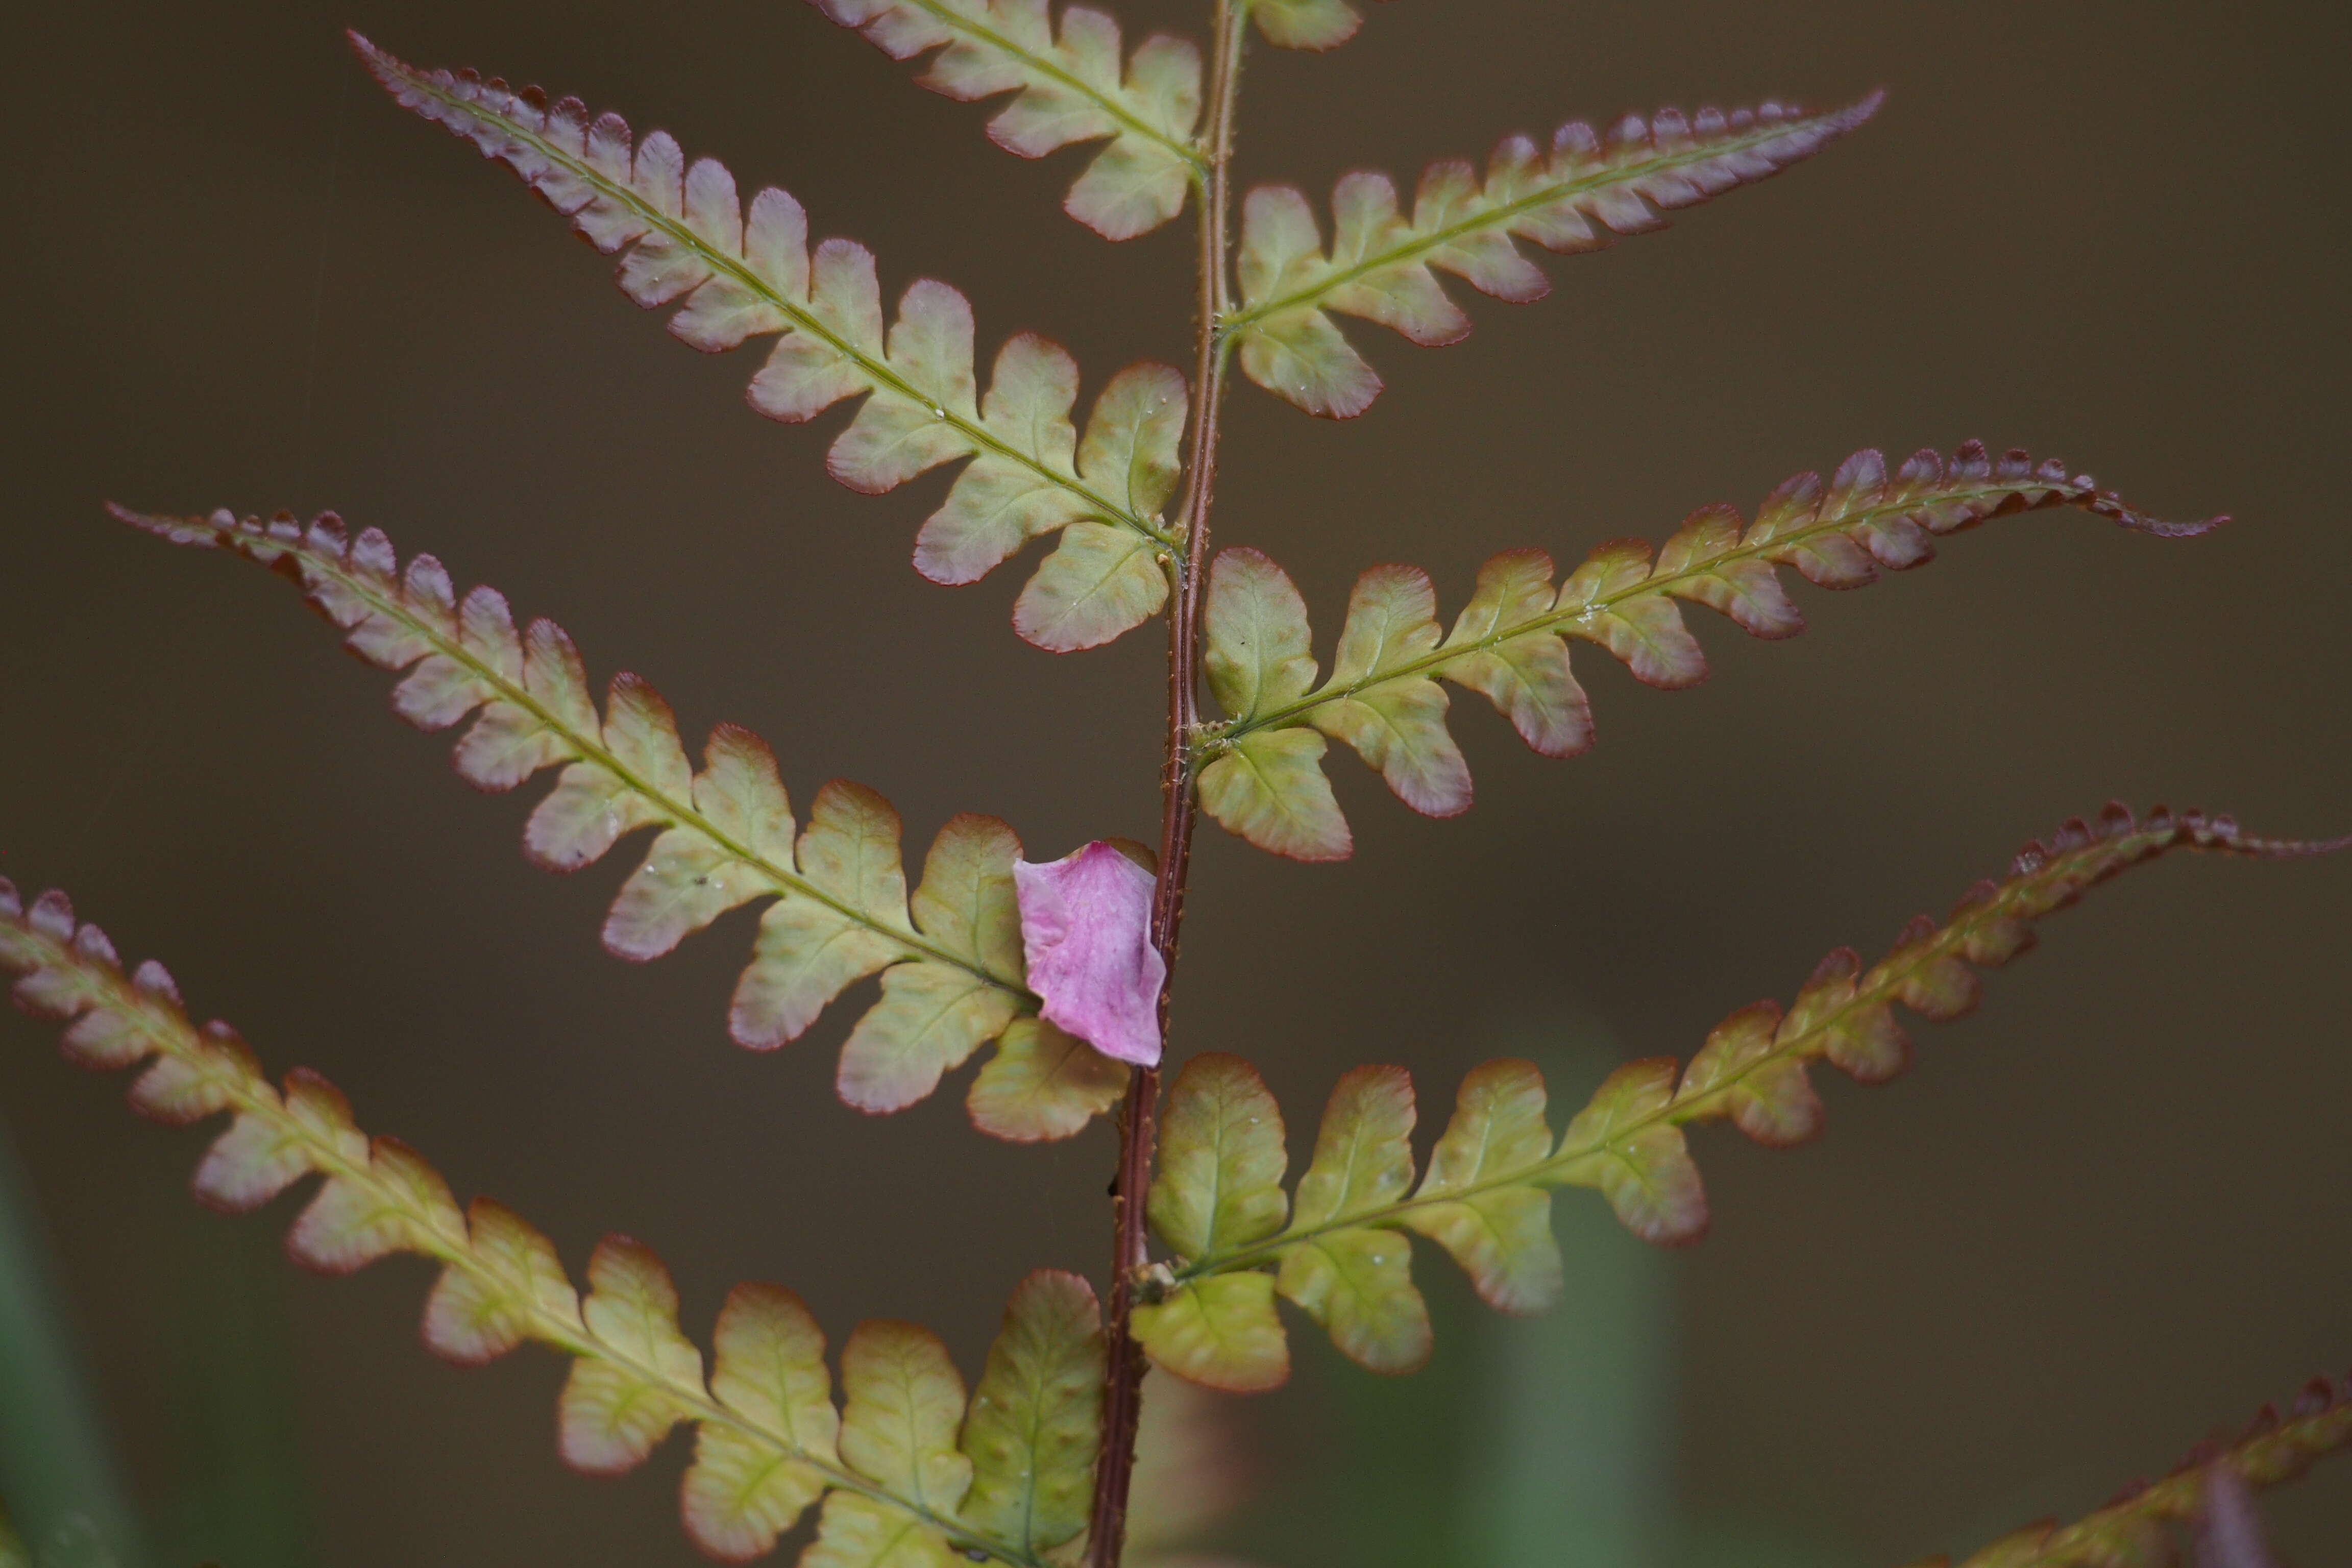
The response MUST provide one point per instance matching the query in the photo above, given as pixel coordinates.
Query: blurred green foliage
(57, 1479)
(232, 1489)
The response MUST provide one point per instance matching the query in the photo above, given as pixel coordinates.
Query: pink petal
(1086, 928)
(2229, 1531)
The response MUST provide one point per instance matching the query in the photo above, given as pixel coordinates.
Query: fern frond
(2133, 1530)
(949, 956)
(1070, 87)
(1035, 1423)
(1260, 770)
(1381, 265)
(737, 273)
(906, 1474)
(1218, 1204)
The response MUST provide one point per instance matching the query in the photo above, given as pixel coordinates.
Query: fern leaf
(614, 1411)
(1306, 24)
(1397, 726)
(1475, 1200)
(1625, 1145)
(949, 958)
(1486, 1197)
(1036, 1416)
(1270, 789)
(1220, 1158)
(1043, 1084)
(1382, 265)
(894, 1466)
(1069, 87)
(905, 1404)
(1383, 698)
(2131, 1531)
(768, 1366)
(856, 1532)
(738, 272)
(1358, 1282)
(1220, 1188)
(1220, 1332)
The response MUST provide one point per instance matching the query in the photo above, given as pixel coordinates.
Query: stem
(1121, 1403)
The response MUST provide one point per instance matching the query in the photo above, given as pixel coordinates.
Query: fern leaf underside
(1072, 81)
(1382, 265)
(948, 954)
(1261, 776)
(903, 1460)
(737, 272)
(1334, 1249)
(1069, 85)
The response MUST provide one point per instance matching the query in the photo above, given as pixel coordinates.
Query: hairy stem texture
(1131, 1250)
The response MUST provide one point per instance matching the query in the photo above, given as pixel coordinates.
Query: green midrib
(1190, 153)
(1422, 243)
(2129, 848)
(877, 371)
(120, 998)
(678, 812)
(1435, 660)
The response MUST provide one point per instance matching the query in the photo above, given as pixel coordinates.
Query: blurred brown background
(2102, 1217)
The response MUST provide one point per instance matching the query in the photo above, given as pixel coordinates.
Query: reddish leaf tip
(1863, 109)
